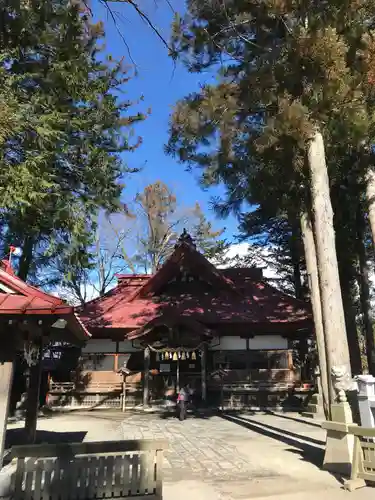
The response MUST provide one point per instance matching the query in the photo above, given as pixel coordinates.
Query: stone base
(354, 484)
(313, 415)
(339, 445)
(314, 408)
(314, 412)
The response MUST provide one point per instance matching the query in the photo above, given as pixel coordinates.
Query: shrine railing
(272, 376)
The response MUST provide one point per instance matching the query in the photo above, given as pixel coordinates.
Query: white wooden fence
(117, 470)
(363, 465)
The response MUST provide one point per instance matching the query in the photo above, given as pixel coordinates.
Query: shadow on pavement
(310, 451)
(203, 414)
(295, 419)
(288, 433)
(17, 437)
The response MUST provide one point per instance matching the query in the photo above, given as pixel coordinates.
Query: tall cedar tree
(284, 68)
(61, 162)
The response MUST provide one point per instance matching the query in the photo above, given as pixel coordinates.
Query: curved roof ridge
(15, 283)
(281, 292)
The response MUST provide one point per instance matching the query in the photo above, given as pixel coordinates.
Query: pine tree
(288, 72)
(62, 163)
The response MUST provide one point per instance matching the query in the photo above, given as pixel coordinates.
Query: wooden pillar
(248, 361)
(33, 395)
(124, 393)
(204, 373)
(178, 376)
(6, 378)
(146, 376)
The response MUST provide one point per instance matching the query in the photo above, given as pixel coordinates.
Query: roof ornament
(6, 266)
(187, 239)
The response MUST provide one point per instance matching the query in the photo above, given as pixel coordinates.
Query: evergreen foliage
(283, 67)
(60, 152)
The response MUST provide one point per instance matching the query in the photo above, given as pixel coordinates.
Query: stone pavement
(228, 457)
(237, 456)
(197, 447)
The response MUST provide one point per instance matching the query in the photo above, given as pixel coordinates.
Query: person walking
(182, 402)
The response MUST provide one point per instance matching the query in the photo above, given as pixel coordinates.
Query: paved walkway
(229, 457)
(237, 456)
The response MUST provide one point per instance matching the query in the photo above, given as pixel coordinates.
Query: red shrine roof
(19, 298)
(213, 296)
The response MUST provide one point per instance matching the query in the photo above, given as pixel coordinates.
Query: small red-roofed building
(30, 319)
(226, 332)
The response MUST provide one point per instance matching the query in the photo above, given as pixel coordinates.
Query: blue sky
(161, 85)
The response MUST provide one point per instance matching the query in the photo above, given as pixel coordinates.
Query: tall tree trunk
(297, 280)
(329, 282)
(370, 195)
(347, 279)
(345, 225)
(312, 271)
(26, 257)
(296, 259)
(364, 286)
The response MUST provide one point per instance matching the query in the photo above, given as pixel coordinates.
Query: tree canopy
(60, 153)
(284, 69)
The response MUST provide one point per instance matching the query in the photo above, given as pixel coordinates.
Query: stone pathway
(197, 447)
(228, 457)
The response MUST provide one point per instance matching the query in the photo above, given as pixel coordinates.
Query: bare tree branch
(142, 15)
(117, 28)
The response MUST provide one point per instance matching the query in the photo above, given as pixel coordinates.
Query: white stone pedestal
(339, 445)
(366, 400)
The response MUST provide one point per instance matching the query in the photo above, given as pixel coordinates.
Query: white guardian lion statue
(342, 383)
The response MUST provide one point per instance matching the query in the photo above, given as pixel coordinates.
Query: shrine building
(234, 338)
(30, 319)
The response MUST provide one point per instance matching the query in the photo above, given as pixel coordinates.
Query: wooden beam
(6, 379)
(178, 376)
(146, 376)
(204, 373)
(33, 394)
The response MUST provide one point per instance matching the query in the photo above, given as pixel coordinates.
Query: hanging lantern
(179, 354)
(183, 356)
(193, 356)
(170, 355)
(166, 355)
(175, 356)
